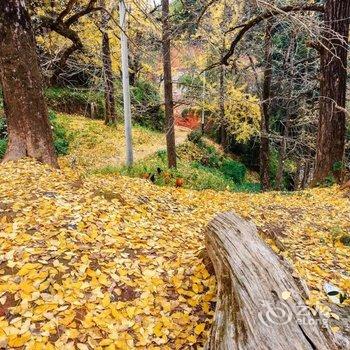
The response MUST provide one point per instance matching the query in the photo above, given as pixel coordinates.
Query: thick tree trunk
(26, 112)
(259, 303)
(265, 118)
(107, 69)
(331, 127)
(168, 87)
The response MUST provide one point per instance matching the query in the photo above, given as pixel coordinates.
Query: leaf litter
(109, 262)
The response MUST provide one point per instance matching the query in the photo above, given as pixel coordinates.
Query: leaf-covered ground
(116, 263)
(94, 145)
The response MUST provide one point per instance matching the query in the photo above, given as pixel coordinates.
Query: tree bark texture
(306, 174)
(223, 132)
(265, 118)
(107, 69)
(259, 303)
(282, 154)
(168, 86)
(331, 126)
(26, 113)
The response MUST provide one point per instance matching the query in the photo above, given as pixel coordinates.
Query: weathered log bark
(26, 113)
(250, 311)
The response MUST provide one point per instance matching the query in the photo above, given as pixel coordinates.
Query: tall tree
(223, 126)
(332, 127)
(107, 67)
(265, 117)
(223, 132)
(168, 86)
(26, 113)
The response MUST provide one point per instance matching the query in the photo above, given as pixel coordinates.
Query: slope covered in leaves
(95, 145)
(116, 263)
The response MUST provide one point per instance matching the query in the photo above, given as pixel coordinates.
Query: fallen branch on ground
(260, 304)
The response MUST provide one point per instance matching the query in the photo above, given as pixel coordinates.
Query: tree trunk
(331, 126)
(168, 87)
(135, 60)
(223, 133)
(107, 69)
(288, 66)
(282, 155)
(259, 303)
(28, 125)
(306, 174)
(265, 118)
(298, 174)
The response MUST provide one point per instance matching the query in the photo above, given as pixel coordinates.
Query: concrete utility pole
(126, 88)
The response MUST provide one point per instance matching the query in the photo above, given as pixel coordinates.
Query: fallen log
(260, 305)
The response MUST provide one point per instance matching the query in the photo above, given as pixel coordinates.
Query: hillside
(112, 262)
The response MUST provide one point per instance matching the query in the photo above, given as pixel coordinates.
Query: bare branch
(67, 9)
(88, 9)
(255, 21)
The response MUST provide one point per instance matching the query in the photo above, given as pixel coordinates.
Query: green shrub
(211, 159)
(3, 137)
(210, 156)
(74, 101)
(146, 104)
(200, 177)
(195, 175)
(3, 147)
(248, 187)
(3, 128)
(162, 154)
(60, 137)
(234, 170)
(195, 136)
(338, 166)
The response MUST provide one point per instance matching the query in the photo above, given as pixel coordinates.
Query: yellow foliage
(242, 112)
(124, 271)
